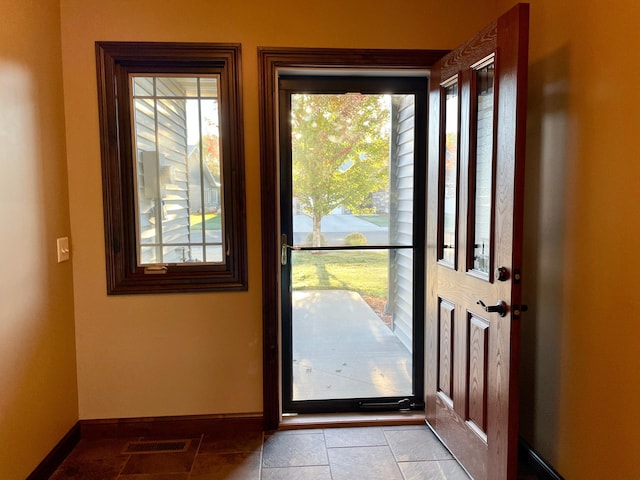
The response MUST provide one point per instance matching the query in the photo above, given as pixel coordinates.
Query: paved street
(336, 227)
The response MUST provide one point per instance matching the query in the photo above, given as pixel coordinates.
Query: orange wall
(581, 382)
(38, 393)
(197, 353)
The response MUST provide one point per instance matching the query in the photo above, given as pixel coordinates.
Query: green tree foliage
(340, 152)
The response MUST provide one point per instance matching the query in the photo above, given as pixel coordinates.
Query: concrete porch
(342, 349)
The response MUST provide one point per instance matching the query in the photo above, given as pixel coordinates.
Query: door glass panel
(449, 195)
(352, 267)
(483, 187)
(346, 342)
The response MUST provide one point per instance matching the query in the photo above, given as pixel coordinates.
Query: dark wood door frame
(271, 62)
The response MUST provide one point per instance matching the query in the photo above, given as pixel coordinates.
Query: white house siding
(161, 141)
(401, 218)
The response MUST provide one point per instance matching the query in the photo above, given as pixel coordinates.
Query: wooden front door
(474, 245)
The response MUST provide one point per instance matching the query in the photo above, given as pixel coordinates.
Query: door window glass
(449, 176)
(483, 170)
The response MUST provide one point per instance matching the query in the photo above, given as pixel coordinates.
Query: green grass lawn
(379, 220)
(364, 271)
(212, 221)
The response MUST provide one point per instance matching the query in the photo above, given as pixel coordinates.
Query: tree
(340, 146)
(211, 153)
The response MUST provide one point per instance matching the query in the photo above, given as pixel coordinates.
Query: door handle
(283, 249)
(500, 308)
(284, 246)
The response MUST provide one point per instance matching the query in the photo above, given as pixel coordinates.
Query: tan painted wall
(580, 361)
(38, 393)
(197, 353)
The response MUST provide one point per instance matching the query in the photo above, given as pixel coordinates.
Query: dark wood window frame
(273, 61)
(115, 62)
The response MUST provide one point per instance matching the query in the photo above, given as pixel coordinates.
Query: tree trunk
(317, 239)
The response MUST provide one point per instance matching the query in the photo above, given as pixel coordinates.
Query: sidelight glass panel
(449, 172)
(483, 164)
(345, 342)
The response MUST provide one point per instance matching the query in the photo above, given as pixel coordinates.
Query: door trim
(270, 62)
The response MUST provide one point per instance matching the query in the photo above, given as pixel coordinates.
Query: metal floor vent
(164, 446)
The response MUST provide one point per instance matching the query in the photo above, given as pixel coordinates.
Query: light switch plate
(63, 249)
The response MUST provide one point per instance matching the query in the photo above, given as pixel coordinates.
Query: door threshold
(359, 419)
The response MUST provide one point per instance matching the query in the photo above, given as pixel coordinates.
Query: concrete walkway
(341, 349)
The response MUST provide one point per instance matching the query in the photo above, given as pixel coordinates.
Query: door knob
(500, 308)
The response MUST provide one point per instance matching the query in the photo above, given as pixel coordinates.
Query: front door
(474, 245)
(352, 223)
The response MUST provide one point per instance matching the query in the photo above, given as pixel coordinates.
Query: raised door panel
(446, 350)
(476, 385)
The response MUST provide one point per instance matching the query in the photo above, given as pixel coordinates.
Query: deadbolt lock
(502, 274)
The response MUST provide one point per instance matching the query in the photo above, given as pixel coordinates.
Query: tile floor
(232, 453)
(366, 453)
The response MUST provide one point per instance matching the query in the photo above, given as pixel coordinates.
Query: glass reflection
(450, 173)
(179, 195)
(483, 169)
